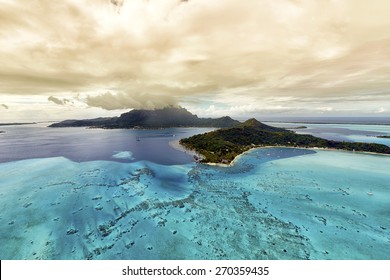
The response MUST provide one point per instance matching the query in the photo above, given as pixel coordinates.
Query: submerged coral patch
(272, 204)
(123, 155)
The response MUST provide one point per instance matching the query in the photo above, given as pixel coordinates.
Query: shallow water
(275, 203)
(342, 132)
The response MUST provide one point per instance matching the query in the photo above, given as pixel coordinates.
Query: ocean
(76, 193)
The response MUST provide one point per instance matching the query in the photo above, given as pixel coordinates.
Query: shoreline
(176, 145)
(233, 162)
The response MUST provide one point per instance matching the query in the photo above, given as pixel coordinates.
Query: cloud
(58, 101)
(382, 110)
(111, 101)
(4, 106)
(156, 53)
(55, 100)
(118, 3)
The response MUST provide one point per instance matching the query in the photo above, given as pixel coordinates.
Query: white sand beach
(176, 145)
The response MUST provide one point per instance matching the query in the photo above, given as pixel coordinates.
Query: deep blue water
(81, 144)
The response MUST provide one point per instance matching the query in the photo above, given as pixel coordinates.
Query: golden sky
(91, 58)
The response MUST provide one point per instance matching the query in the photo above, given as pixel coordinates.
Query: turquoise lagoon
(273, 203)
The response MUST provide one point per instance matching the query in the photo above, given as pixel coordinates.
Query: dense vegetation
(159, 118)
(223, 145)
(98, 122)
(168, 117)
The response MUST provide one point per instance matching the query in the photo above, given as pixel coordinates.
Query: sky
(90, 58)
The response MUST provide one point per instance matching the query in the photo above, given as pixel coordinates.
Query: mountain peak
(170, 116)
(253, 123)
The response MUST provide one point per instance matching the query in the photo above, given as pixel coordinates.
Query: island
(298, 127)
(384, 136)
(230, 140)
(223, 145)
(9, 124)
(151, 119)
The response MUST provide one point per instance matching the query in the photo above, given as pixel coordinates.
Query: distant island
(152, 119)
(223, 145)
(7, 124)
(293, 127)
(384, 136)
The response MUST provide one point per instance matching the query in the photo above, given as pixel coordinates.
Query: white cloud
(382, 110)
(143, 54)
